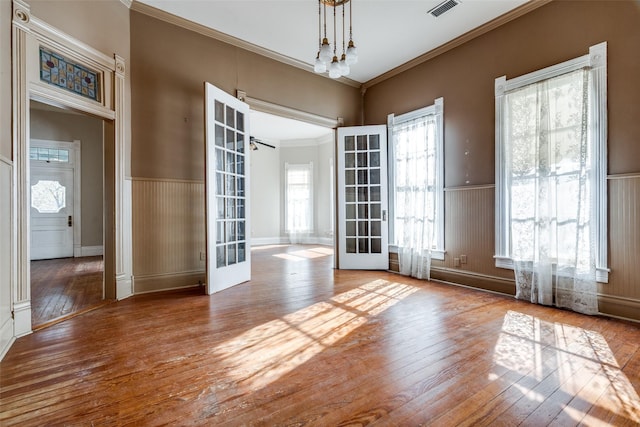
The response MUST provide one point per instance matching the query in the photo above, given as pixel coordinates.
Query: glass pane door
(362, 198)
(228, 256)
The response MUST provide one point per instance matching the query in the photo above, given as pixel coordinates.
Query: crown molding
(307, 142)
(226, 38)
(466, 37)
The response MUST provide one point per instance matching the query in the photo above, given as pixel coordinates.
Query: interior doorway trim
(287, 112)
(29, 34)
(314, 119)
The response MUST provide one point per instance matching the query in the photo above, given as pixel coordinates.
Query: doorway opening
(66, 156)
(292, 188)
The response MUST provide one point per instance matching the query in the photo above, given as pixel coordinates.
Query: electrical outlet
(463, 259)
(456, 262)
(203, 256)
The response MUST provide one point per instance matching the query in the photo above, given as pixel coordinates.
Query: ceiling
(387, 33)
(275, 129)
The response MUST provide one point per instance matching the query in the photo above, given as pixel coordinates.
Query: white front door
(227, 187)
(51, 212)
(363, 233)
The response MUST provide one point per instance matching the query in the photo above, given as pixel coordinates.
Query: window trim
(596, 59)
(437, 110)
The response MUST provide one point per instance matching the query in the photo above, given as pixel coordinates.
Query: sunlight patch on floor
(578, 360)
(267, 352)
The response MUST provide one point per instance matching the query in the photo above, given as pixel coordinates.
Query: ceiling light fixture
(326, 59)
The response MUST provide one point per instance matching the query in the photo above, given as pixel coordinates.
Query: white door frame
(28, 34)
(75, 147)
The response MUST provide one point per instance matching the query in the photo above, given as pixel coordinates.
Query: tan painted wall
(169, 67)
(551, 34)
(60, 126)
(465, 77)
(5, 79)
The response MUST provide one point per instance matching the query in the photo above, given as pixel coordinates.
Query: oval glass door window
(48, 197)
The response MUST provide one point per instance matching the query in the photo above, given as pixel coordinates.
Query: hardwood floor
(63, 287)
(302, 344)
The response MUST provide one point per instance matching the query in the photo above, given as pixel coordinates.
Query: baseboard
(22, 318)
(261, 241)
(164, 282)
(608, 305)
(124, 287)
(474, 280)
(310, 240)
(92, 250)
(6, 337)
(619, 307)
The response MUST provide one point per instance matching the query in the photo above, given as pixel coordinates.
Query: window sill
(602, 274)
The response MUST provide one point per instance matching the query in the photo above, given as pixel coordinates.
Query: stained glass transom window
(63, 73)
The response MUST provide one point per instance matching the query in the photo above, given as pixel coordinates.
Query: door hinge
(70, 221)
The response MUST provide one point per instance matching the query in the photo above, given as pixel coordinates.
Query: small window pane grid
(49, 154)
(230, 163)
(363, 190)
(63, 73)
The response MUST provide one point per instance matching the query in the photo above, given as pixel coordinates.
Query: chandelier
(327, 57)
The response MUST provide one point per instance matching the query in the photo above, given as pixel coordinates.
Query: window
(299, 198)
(48, 196)
(416, 180)
(49, 154)
(551, 166)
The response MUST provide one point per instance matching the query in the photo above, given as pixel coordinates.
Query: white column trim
(21, 304)
(123, 243)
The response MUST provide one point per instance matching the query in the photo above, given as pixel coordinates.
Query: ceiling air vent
(443, 7)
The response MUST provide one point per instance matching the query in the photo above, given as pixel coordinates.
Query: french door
(363, 232)
(227, 185)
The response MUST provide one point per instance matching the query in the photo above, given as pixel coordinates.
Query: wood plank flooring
(302, 344)
(63, 287)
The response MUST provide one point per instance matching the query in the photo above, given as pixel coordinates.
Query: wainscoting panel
(168, 234)
(469, 230)
(624, 238)
(6, 267)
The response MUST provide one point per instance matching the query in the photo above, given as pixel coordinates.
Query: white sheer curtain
(415, 202)
(299, 196)
(551, 193)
